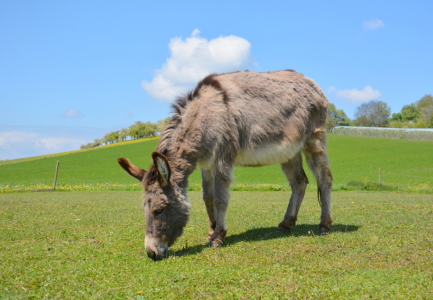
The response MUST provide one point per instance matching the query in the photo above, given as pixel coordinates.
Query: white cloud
(18, 144)
(73, 113)
(373, 24)
(355, 96)
(9, 139)
(194, 58)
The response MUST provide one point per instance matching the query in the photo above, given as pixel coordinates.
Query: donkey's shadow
(262, 234)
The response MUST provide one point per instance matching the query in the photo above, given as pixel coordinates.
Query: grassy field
(88, 245)
(355, 162)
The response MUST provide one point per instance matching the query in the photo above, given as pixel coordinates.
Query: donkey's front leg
(221, 201)
(208, 197)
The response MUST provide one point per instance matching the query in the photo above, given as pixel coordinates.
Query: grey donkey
(234, 119)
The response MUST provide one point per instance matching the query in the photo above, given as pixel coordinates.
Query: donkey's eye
(157, 212)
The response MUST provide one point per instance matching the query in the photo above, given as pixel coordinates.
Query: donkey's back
(255, 119)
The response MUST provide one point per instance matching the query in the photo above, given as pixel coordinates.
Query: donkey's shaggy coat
(241, 118)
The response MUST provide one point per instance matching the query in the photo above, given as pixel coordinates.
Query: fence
(418, 134)
(60, 177)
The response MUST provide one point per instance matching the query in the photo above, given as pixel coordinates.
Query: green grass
(88, 245)
(355, 162)
(79, 168)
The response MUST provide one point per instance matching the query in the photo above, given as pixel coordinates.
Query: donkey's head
(165, 205)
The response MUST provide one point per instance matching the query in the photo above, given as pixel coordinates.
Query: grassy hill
(89, 245)
(355, 163)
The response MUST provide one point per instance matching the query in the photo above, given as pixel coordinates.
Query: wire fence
(114, 179)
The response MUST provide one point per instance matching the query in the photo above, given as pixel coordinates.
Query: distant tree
(123, 134)
(425, 106)
(111, 137)
(374, 114)
(336, 117)
(85, 146)
(162, 123)
(430, 121)
(410, 113)
(396, 117)
(425, 101)
(141, 130)
(134, 130)
(149, 129)
(97, 143)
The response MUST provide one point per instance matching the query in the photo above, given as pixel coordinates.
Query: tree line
(371, 114)
(378, 114)
(136, 131)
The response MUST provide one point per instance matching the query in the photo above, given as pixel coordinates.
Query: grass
(89, 245)
(355, 162)
(79, 168)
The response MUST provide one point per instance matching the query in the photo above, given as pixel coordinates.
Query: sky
(72, 71)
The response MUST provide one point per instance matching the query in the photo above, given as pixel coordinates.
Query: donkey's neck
(181, 143)
(182, 163)
(182, 167)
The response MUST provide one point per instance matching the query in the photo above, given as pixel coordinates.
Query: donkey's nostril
(152, 255)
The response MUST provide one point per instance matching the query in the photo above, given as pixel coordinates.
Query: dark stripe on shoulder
(213, 82)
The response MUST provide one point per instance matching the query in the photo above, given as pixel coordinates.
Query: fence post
(380, 179)
(55, 175)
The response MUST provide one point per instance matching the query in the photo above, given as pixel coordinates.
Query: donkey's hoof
(324, 230)
(215, 243)
(284, 229)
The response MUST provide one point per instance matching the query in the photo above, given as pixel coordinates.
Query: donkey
(234, 119)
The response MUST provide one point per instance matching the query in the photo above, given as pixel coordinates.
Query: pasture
(355, 163)
(88, 245)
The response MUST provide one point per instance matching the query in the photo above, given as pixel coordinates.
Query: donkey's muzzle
(154, 256)
(154, 249)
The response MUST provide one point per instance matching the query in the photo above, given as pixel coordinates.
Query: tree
(410, 113)
(111, 137)
(373, 113)
(396, 117)
(141, 130)
(336, 117)
(97, 143)
(123, 134)
(134, 130)
(149, 129)
(430, 121)
(425, 106)
(162, 123)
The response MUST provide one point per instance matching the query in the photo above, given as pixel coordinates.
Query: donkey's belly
(269, 154)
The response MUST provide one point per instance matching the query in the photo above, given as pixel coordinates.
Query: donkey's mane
(179, 107)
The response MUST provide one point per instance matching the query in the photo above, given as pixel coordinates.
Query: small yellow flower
(140, 292)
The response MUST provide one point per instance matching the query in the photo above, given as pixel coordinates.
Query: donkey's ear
(161, 164)
(132, 170)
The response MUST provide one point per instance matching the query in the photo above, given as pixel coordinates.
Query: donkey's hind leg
(317, 158)
(298, 181)
(208, 197)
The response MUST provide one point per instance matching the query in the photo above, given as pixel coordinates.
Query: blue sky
(71, 71)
